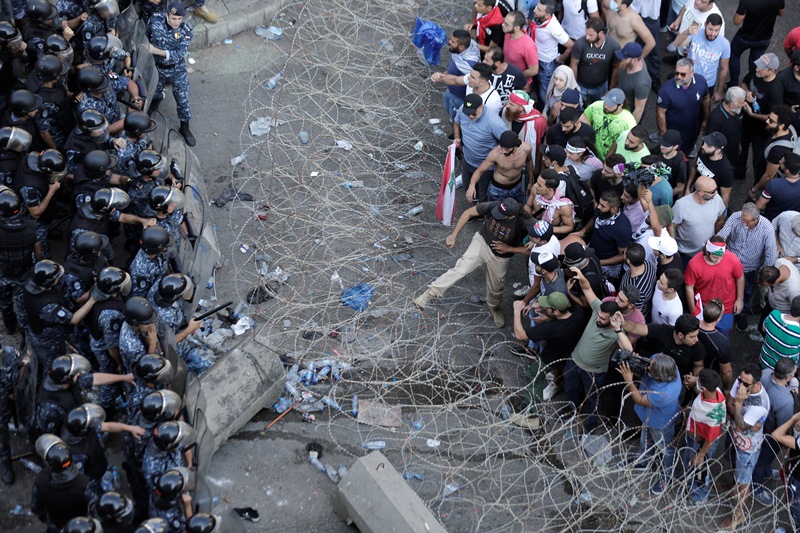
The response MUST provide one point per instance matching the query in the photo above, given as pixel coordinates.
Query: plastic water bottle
(111, 480)
(324, 371)
(282, 404)
(352, 184)
(312, 458)
(273, 81)
(354, 406)
(374, 445)
(449, 489)
(505, 414)
(414, 211)
(30, 465)
(330, 402)
(336, 371)
(308, 374)
(303, 137)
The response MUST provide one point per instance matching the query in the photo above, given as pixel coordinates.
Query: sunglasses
(744, 384)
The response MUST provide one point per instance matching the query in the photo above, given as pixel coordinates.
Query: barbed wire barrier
(345, 79)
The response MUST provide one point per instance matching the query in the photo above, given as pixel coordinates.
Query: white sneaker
(551, 390)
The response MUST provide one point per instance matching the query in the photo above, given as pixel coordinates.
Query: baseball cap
(768, 61)
(614, 97)
(508, 207)
(571, 96)
(509, 139)
(176, 9)
(574, 254)
(629, 51)
(547, 261)
(670, 138)
(795, 57)
(664, 244)
(541, 229)
(715, 139)
(471, 104)
(554, 300)
(554, 152)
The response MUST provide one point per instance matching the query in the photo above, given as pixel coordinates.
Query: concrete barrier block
(239, 385)
(217, 32)
(237, 23)
(377, 499)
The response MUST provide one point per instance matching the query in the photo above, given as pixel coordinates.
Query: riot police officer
(170, 36)
(11, 48)
(37, 181)
(54, 121)
(43, 22)
(167, 297)
(150, 262)
(168, 204)
(57, 46)
(152, 525)
(165, 450)
(142, 332)
(171, 499)
(103, 52)
(9, 374)
(80, 433)
(136, 126)
(60, 492)
(90, 133)
(94, 174)
(102, 19)
(83, 524)
(115, 511)
(23, 106)
(14, 143)
(204, 523)
(82, 266)
(49, 319)
(18, 246)
(95, 84)
(150, 166)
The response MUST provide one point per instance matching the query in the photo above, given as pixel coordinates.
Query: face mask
(614, 6)
(538, 20)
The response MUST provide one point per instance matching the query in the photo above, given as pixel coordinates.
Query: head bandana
(522, 99)
(715, 248)
(575, 150)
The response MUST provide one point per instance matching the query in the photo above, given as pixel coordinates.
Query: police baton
(212, 311)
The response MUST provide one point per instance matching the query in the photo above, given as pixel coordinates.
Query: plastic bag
(430, 38)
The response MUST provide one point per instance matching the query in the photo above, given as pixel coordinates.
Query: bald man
(698, 217)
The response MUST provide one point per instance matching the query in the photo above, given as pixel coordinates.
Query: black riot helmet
(92, 120)
(49, 68)
(85, 418)
(49, 162)
(172, 484)
(160, 406)
(139, 311)
(65, 368)
(104, 47)
(98, 162)
(204, 523)
(137, 122)
(153, 525)
(54, 452)
(105, 9)
(173, 287)
(88, 245)
(40, 10)
(172, 435)
(114, 281)
(92, 79)
(108, 199)
(164, 196)
(114, 508)
(149, 161)
(21, 102)
(45, 275)
(58, 46)
(156, 239)
(15, 139)
(153, 369)
(10, 203)
(82, 524)
(8, 32)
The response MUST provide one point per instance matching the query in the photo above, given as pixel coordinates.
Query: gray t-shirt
(780, 296)
(787, 238)
(594, 63)
(596, 345)
(636, 86)
(781, 402)
(694, 223)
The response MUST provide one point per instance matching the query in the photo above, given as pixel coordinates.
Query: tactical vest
(79, 221)
(16, 247)
(63, 501)
(85, 273)
(67, 399)
(9, 161)
(81, 143)
(34, 303)
(94, 314)
(57, 95)
(95, 462)
(84, 186)
(27, 177)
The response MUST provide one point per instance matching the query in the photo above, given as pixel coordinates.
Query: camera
(637, 363)
(634, 175)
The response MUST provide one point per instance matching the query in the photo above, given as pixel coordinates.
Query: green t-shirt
(607, 127)
(596, 345)
(630, 157)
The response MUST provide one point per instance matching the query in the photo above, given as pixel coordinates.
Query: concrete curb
(232, 22)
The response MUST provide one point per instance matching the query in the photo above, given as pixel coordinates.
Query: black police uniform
(58, 497)
(17, 240)
(87, 453)
(53, 402)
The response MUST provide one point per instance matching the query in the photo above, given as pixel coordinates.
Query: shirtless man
(625, 25)
(508, 160)
(549, 205)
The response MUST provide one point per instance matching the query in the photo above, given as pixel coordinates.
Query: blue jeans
(653, 61)
(738, 47)
(698, 491)
(451, 104)
(770, 449)
(660, 440)
(582, 389)
(725, 324)
(592, 94)
(546, 71)
(517, 192)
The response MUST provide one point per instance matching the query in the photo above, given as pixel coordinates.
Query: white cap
(664, 244)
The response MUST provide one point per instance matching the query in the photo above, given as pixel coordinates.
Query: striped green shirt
(781, 339)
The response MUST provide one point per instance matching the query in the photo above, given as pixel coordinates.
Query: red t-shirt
(715, 281)
(521, 52)
(792, 40)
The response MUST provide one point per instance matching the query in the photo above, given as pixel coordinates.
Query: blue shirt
(664, 401)
(683, 107)
(662, 193)
(458, 90)
(707, 55)
(479, 136)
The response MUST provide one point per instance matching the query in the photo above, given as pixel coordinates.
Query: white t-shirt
(665, 311)
(648, 9)
(754, 411)
(574, 21)
(548, 37)
(553, 246)
(789, 241)
(491, 104)
(692, 14)
(780, 296)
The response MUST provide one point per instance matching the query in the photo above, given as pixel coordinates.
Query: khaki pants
(476, 255)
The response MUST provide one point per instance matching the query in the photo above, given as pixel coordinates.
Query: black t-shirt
(600, 185)
(721, 170)
(674, 263)
(608, 239)
(776, 152)
(677, 167)
(511, 79)
(767, 94)
(718, 348)
(594, 64)
(730, 126)
(555, 135)
(561, 336)
(510, 231)
(759, 20)
(660, 339)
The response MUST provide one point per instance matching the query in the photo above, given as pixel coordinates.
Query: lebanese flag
(707, 416)
(445, 208)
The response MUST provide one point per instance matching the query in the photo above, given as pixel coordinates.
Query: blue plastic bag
(430, 37)
(357, 296)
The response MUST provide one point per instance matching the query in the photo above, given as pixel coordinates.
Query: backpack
(794, 143)
(578, 191)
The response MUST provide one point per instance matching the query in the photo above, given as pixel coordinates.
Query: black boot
(187, 134)
(10, 320)
(6, 471)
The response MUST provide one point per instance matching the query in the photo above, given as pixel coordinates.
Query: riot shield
(127, 31)
(193, 400)
(169, 345)
(25, 391)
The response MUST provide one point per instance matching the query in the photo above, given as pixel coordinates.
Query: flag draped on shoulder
(445, 208)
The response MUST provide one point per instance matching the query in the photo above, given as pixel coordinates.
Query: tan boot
(499, 319)
(205, 14)
(422, 300)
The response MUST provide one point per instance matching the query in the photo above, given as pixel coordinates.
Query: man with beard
(710, 52)
(525, 120)
(630, 144)
(508, 160)
(697, 217)
(675, 160)
(727, 119)
(593, 59)
(569, 125)
(488, 28)
(505, 76)
(779, 144)
(609, 118)
(480, 132)
(519, 48)
(550, 35)
(711, 162)
(782, 195)
(683, 104)
(762, 93)
(633, 78)
(478, 81)
(463, 54)
(611, 235)
(607, 178)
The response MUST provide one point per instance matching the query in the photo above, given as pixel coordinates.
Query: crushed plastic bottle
(30, 465)
(354, 406)
(342, 471)
(273, 81)
(505, 413)
(303, 137)
(282, 404)
(312, 458)
(330, 402)
(374, 445)
(450, 488)
(414, 475)
(413, 211)
(111, 480)
(352, 184)
(333, 475)
(417, 424)
(319, 376)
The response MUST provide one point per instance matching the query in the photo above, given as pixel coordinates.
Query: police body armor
(90, 449)
(81, 143)
(114, 303)
(85, 273)
(34, 303)
(16, 244)
(63, 500)
(27, 177)
(85, 186)
(80, 220)
(64, 119)
(26, 125)
(9, 161)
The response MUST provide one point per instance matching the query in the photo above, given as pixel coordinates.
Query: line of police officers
(73, 170)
